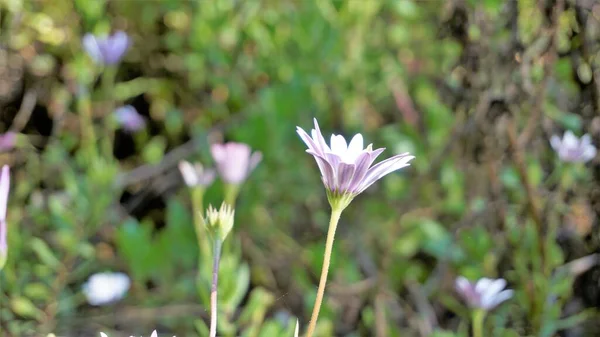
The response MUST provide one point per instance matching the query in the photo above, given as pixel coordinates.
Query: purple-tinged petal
(90, 44)
(585, 140)
(344, 178)
(255, 159)
(218, 152)
(8, 141)
(318, 138)
(117, 45)
(363, 162)
(234, 161)
(496, 286)
(129, 119)
(556, 142)
(383, 168)
(499, 298)
(327, 172)
(4, 189)
(307, 139)
(589, 153)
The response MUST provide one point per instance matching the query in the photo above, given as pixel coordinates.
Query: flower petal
(327, 171)
(90, 44)
(556, 142)
(569, 140)
(589, 153)
(482, 285)
(218, 152)
(585, 140)
(344, 176)
(4, 189)
(384, 167)
(356, 144)
(338, 145)
(362, 163)
(310, 143)
(189, 174)
(496, 286)
(499, 298)
(255, 159)
(318, 137)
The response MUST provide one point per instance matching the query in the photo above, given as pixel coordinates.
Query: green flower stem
(214, 286)
(88, 134)
(198, 208)
(108, 82)
(478, 317)
(333, 222)
(231, 193)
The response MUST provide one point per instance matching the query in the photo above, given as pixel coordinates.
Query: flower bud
(219, 222)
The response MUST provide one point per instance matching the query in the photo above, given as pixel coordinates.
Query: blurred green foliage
(447, 81)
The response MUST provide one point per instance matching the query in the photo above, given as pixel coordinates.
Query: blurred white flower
(573, 149)
(485, 294)
(195, 174)
(105, 288)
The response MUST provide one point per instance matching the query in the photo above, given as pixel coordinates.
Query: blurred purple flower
(234, 161)
(346, 168)
(485, 294)
(129, 119)
(4, 188)
(107, 50)
(7, 141)
(572, 149)
(196, 174)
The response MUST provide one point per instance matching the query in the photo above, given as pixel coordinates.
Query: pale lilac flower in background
(195, 174)
(4, 189)
(346, 168)
(107, 50)
(234, 161)
(485, 294)
(129, 119)
(7, 141)
(106, 288)
(573, 149)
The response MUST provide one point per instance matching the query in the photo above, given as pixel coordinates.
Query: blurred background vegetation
(474, 89)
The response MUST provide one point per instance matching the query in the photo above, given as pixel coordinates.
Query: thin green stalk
(214, 287)
(478, 318)
(88, 134)
(336, 212)
(197, 193)
(231, 193)
(108, 82)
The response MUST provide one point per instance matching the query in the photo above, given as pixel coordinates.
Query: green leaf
(22, 306)
(44, 253)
